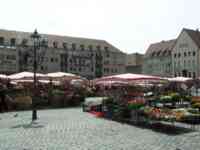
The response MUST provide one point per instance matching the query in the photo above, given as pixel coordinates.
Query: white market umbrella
(3, 76)
(179, 79)
(22, 75)
(60, 75)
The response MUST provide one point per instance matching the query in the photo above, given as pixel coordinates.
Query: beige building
(134, 63)
(185, 54)
(87, 57)
(158, 59)
(8, 56)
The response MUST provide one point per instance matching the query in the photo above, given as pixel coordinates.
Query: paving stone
(63, 129)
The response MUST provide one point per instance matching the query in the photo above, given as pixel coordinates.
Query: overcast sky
(130, 25)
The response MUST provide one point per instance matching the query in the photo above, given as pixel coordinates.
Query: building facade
(158, 59)
(86, 57)
(134, 63)
(185, 54)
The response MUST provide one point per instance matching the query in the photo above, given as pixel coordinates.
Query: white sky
(130, 25)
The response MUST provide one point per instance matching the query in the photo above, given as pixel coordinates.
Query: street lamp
(36, 45)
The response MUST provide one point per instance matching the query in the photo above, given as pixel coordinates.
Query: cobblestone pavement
(71, 129)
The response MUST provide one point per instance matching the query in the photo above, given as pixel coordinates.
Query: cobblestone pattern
(71, 129)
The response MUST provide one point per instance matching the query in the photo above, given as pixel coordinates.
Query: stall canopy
(62, 75)
(2, 76)
(130, 77)
(31, 81)
(179, 79)
(23, 75)
(113, 83)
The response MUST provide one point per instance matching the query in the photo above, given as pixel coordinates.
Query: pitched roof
(19, 35)
(194, 34)
(162, 48)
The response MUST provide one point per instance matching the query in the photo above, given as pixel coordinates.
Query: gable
(185, 42)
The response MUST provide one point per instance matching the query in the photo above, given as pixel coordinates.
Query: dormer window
(1, 40)
(106, 48)
(98, 47)
(12, 42)
(55, 44)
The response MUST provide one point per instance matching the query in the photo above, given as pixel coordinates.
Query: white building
(185, 54)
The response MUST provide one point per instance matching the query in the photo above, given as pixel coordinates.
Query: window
(194, 53)
(44, 43)
(64, 45)
(189, 53)
(92, 69)
(82, 47)
(46, 59)
(24, 42)
(55, 44)
(189, 74)
(193, 63)
(179, 54)
(90, 47)
(70, 60)
(106, 48)
(194, 75)
(188, 63)
(12, 42)
(42, 68)
(185, 54)
(52, 59)
(11, 57)
(56, 59)
(73, 46)
(1, 40)
(175, 55)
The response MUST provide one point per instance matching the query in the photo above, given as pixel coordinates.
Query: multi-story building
(134, 63)
(186, 54)
(158, 60)
(87, 57)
